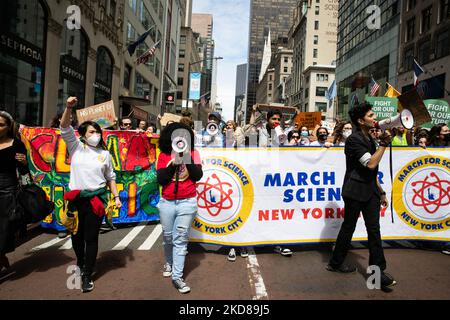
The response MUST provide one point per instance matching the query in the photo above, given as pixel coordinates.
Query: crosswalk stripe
(67, 245)
(129, 237)
(255, 278)
(48, 244)
(150, 241)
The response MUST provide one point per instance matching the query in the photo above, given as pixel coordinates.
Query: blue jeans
(176, 219)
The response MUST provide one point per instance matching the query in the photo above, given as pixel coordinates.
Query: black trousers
(371, 213)
(85, 242)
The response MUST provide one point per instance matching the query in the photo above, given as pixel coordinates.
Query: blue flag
(332, 91)
(132, 47)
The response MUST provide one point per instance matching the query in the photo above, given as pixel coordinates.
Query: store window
(72, 69)
(103, 78)
(22, 59)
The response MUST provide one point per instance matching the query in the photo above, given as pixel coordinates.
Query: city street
(130, 260)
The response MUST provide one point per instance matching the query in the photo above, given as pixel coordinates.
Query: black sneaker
(87, 285)
(181, 285)
(387, 281)
(341, 269)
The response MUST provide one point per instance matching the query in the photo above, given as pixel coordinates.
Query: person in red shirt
(178, 174)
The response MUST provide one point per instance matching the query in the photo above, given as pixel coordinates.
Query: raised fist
(71, 101)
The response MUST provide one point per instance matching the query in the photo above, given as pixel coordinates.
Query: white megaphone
(280, 135)
(212, 128)
(403, 119)
(179, 145)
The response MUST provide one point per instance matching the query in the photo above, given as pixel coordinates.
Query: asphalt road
(130, 260)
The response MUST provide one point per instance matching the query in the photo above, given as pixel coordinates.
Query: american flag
(375, 88)
(148, 54)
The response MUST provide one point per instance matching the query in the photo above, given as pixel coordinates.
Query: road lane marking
(67, 245)
(255, 278)
(129, 237)
(48, 244)
(151, 240)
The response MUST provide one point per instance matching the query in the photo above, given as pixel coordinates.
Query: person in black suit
(362, 192)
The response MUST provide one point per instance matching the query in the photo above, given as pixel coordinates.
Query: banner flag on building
(194, 85)
(354, 100)
(418, 70)
(391, 91)
(132, 47)
(374, 87)
(148, 54)
(331, 92)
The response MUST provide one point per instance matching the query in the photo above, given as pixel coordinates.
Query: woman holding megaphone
(178, 169)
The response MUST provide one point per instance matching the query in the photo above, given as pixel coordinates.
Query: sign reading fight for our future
(383, 107)
(439, 111)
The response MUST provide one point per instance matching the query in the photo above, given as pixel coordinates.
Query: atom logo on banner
(209, 199)
(422, 194)
(224, 197)
(431, 195)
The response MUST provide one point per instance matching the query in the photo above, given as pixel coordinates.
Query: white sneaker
(181, 286)
(167, 270)
(244, 252)
(232, 255)
(283, 251)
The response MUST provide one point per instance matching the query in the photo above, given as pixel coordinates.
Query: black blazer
(359, 182)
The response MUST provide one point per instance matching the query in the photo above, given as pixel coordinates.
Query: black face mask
(323, 136)
(447, 137)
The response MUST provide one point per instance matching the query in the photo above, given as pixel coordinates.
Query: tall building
(241, 85)
(313, 38)
(202, 23)
(425, 36)
(365, 49)
(265, 15)
(44, 58)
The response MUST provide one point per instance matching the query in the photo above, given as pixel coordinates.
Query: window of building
(321, 107)
(306, 93)
(157, 67)
(131, 34)
(426, 19)
(444, 10)
(112, 9)
(316, 25)
(182, 39)
(133, 5)
(270, 77)
(182, 53)
(286, 59)
(410, 5)
(180, 81)
(22, 63)
(316, 39)
(320, 91)
(285, 69)
(408, 58)
(424, 51)
(317, 10)
(127, 76)
(442, 47)
(104, 74)
(142, 87)
(72, 78)
(410, 29)
(315, 52)
(270, 86)
(181, 67)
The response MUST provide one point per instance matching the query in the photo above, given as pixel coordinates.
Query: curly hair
(165, 139)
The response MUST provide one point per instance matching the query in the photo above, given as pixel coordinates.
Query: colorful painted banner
(295, 197)
(133, 155)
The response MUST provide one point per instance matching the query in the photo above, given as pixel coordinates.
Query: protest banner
(169, 117)
(102, 113)
(383, 107)
(308, 119)
(439, 111)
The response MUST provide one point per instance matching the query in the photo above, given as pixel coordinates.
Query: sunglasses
(296, 137)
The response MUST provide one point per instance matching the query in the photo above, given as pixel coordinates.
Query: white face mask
(93, 140)
(347, 133)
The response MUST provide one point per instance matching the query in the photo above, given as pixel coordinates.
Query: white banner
(293, 195)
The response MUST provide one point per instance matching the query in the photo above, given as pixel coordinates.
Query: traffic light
(170, 98)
